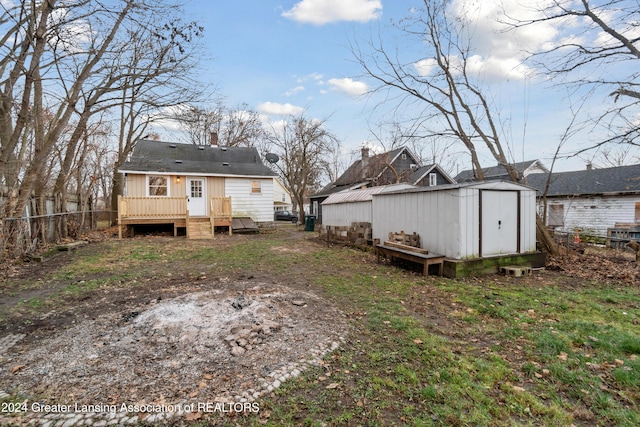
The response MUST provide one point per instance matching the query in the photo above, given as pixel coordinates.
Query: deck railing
(152, 207)
(221, 208)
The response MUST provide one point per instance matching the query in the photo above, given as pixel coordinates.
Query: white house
(194, 187)
(590, 200)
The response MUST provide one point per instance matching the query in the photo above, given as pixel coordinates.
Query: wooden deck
(174, 210)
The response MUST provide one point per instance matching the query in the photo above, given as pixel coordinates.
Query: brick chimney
(365, 153)
(589, 166)
(214, 138)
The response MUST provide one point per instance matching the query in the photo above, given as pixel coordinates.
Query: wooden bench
(417, 255)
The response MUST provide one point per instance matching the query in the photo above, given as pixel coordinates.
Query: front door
(196, 192)
(499, 222)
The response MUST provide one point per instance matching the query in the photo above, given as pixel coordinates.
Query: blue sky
(285, 56)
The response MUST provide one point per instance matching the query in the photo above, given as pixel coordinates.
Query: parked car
(286, 216)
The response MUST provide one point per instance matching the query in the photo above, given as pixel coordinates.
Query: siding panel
(259, 207)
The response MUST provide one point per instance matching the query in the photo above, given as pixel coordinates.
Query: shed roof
(363, 195)
(483, 185)
(157, 156)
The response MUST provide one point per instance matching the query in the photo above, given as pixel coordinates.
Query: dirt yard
(179, 337)
(177, 329)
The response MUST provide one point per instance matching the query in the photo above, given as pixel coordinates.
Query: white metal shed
(461, 221)
(349, 206)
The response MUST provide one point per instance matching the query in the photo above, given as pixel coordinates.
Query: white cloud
(425, 66)
(348, 86)
(294, 90)
(315, 77)
(275, 108)
(320, 12)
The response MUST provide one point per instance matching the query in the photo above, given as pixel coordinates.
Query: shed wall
(434, 215)
(343, 214)
(448, 220)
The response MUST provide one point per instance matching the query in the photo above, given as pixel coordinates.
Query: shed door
(197, 196)
(498, 222)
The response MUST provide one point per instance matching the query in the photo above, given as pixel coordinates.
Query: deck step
(200, 230)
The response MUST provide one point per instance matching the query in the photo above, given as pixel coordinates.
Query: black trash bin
(309, 223)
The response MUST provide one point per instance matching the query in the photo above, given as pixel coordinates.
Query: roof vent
(225, 163)
(200, 147)
(178, 161)
(172, 145)
(223, 148)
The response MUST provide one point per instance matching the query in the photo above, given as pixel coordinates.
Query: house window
(404, 156)
(256, 187)
(433, 180)
(196, 188)
(637, 211)
(556, 215)
(158, 186)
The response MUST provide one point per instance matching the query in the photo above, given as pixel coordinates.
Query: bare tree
(233, 127)
(63, 62)
(602, 61)
(440, 82)
(441, 85)
(303, 146)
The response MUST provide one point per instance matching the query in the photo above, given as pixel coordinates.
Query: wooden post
(119, 217)
(186, 222)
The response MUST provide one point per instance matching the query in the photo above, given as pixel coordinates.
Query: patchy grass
(541, 350)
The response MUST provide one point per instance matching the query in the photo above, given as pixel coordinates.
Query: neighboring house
(396, 166)
(590, 200)
(194, 187)
(499, 172)
(281, 197)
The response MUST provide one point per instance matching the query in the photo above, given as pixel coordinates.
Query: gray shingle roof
(370, 168)
(621, 179)
(157, 156)
(494, 172)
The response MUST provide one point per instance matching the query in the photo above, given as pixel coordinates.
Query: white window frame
(148, 185)
(257, 187)
(556, 215)
(433, 180)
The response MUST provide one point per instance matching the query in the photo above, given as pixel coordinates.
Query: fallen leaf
(208, 377)
(202, 384)
(417, 341)
(518, 388)
(17, 368)
(192, 416)
(563, 355)
(332, 386)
